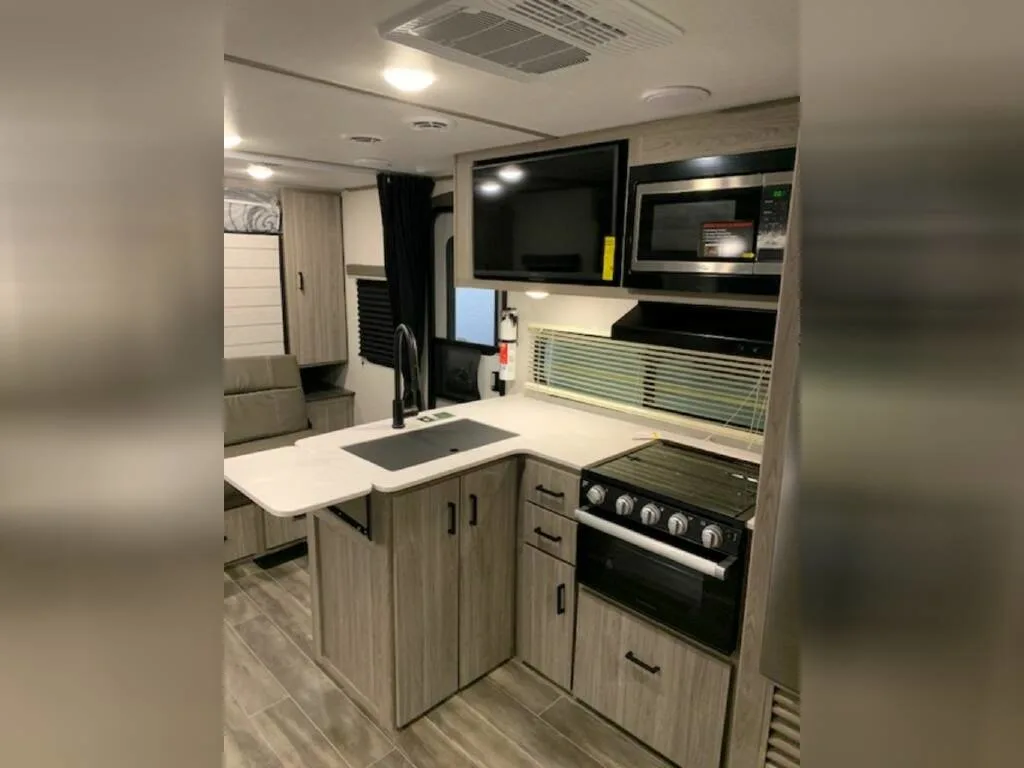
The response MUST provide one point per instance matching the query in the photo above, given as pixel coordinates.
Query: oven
(722, 217)
(688, 588)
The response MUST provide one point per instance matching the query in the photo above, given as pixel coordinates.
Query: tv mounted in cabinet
(551, 217)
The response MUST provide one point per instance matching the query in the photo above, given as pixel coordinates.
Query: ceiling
(303, 75)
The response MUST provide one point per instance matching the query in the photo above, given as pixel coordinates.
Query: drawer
(550, 487)
(281, 530)
(548, 532)
(664, 691)
(242, 531)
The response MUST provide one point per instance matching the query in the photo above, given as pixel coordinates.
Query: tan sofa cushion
(262, 398)
(252, 374)
(232, 496)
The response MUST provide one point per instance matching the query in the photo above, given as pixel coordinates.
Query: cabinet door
(314, 279)
(546, 614)
(661, 689)
(426, 575)
(487, 569)
(281, 530)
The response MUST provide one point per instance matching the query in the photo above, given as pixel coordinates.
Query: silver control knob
(677, 524)
(596, 494)
(624, 504)
(650, 514)
(711, 536)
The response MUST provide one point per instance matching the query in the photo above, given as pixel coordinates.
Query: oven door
(706, 226)
(619, 563)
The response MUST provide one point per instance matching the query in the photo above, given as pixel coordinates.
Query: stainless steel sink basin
(418, 446)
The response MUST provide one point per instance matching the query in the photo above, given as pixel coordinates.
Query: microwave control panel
(774, 224)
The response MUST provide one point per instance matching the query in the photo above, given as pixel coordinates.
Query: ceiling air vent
(365, 139)
(435, 124)
(527, 38)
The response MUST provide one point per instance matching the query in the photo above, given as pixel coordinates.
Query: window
(376, 328)
(471, 313)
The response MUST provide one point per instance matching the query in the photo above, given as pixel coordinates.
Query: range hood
(724, 330)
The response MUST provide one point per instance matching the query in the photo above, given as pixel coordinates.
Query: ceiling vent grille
(527, 38)
(435, 124)
(365, 139)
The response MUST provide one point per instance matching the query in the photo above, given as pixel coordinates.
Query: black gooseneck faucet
(404, 340)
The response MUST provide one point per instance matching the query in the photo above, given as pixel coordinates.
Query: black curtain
(407, 216)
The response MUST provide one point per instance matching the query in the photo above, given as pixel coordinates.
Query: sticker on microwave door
(727, 240)
(608, 267)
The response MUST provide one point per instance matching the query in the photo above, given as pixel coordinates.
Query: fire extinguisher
(508, 339)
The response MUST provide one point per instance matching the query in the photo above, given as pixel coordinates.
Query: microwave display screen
(677, 226)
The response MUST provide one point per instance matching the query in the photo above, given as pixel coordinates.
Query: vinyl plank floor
(239, 607)
(281, 607)
(473, 734)
(294, 738)
(526, 686)
(395, 760)
(603, 741)
(243, 747)
(247, 680)
(538, 739)
(359, 741)
(294, 580)
(427, 747)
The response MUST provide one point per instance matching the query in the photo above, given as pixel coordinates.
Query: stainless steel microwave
(721, 217)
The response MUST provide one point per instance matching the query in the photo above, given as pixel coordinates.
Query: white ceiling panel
(744, 51)
(291, 176)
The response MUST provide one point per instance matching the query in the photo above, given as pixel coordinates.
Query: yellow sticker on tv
(608, 269)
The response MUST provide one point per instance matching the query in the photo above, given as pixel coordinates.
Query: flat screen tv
(553, 217)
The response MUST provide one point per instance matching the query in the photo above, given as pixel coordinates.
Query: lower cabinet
(546, 614)
(242, 531)
(282, 530)
(657, 687)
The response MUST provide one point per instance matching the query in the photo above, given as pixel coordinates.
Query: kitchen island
(415, 572)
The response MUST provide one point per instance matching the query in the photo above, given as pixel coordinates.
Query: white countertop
(316, 472)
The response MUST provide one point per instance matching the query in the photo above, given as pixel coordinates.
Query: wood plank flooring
(282, 711)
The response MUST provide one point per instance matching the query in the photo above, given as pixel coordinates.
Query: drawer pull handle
(225, 538)
(560, 599)
(545, 491)
(472, 505)
(302, 282)
(646, 667)
(451, 518)
(540, 532)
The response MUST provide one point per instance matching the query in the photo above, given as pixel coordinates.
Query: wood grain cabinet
(487, 569)
(327, 414)
(242, 531)
(282, 530)
(550, 487)
(314, 279)
(664, 691)
(546, 614)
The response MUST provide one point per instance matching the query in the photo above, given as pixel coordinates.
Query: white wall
(364, 244)
(582, 312)
(252, 296)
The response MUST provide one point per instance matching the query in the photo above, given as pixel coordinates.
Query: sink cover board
(408, 448)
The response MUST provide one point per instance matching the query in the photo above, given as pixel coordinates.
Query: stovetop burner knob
(624, 505)
(650, 514)
(677, 524)
(596, 494)
(711, 536)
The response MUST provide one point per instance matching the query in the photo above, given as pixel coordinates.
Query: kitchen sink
(418, 446)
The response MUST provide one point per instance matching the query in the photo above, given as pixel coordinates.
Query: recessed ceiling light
(512, 174)
(259, 171)
(537, 294)
(489, 188)
(409, 80)
(231, 140)
(676, 96)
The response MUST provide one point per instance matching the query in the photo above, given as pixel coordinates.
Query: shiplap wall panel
(253, 323)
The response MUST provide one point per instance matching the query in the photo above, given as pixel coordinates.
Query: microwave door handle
(682, 557)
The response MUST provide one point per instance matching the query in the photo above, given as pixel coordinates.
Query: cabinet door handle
(451, 518)
(646, 667)
(556, 494)
(560, 599)
(302, 282)
(540, 532)
(225, 538)
(472, 506)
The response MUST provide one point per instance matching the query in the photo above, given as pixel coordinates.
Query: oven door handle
(682, 557)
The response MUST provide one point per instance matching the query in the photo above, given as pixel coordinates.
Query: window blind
(376, 327)
(723, 389)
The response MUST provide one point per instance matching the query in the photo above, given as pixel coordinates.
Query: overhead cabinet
(314, 278)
